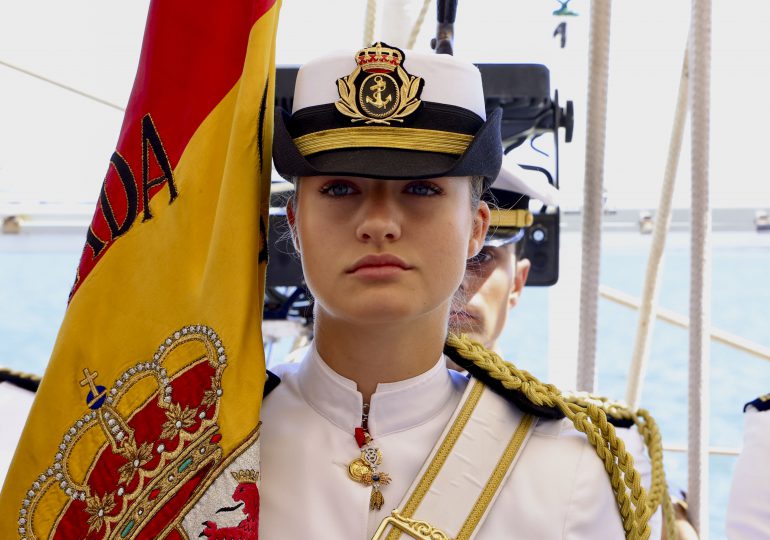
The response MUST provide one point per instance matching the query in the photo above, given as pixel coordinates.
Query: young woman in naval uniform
(371, 435)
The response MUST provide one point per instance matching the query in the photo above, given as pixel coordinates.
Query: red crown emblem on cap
(379, 58)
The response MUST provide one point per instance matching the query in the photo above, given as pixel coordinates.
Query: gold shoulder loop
(630, 496)
(617, 411)
(622, 416)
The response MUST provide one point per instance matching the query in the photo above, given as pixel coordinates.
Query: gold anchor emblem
(371, 92)
(377, 89)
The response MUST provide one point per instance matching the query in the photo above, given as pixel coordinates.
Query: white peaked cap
(534, 184)
(447, 79)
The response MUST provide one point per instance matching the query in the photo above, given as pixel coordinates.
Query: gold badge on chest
(379, 90)
(365, 470)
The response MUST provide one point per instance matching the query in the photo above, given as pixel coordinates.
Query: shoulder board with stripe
(762, 403)
(27, 381)
(271, 383)
(618, 413)
(513, 396)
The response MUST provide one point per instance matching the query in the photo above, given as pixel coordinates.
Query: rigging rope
(592, 193)
(64, 86)
(649, 302)
(369, 22)
(418, 24)
(700, 268)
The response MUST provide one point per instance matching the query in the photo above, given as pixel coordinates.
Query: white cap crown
(448, 80)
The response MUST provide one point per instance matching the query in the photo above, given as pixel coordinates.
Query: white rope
(369, 22)
(418, 24)
(649, 302)
(592, 191)
(700, 269)
(734, 341)
(64, 86)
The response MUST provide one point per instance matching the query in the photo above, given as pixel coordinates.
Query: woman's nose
(380, 219)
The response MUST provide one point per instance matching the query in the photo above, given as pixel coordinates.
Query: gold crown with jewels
(379, 58)
(149, 437)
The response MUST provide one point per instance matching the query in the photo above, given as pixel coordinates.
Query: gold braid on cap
(519, 218)
(424, 140)
(630, 496)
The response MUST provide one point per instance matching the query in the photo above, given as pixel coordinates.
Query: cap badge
(379, 90)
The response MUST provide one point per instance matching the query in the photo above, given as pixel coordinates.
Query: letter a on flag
(147, 418)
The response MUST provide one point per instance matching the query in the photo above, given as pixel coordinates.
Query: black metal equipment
(524, 94)
(541, 247)
(446, 13)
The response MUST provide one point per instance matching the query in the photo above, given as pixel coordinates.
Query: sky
(55, 145)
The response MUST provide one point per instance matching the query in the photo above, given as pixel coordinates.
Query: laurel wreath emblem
(409, 102)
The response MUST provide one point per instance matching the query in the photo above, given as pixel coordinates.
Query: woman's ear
(479, 231)
(520, 273)
(292, 219)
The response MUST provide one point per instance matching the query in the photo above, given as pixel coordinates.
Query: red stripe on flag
(192, 55)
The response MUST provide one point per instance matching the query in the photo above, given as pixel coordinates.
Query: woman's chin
(376, 309)
(382, 314)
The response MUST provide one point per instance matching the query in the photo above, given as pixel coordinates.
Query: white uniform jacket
(557, 489)
(748, 512)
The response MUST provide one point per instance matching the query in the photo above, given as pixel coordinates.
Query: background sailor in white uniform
(748, 512)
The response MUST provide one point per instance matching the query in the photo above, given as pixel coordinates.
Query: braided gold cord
(591, 420)
(648, 429)
(659, 495)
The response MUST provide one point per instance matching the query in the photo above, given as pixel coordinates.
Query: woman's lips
(378, 266)
(378, 272)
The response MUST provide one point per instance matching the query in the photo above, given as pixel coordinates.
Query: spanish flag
(146, 423)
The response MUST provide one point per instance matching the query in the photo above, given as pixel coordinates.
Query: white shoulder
(285, 370)
(572, 495)
(593, 511)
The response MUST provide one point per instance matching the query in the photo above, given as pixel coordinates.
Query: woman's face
(381, 251)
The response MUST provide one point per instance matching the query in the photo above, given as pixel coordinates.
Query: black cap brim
(483, 157)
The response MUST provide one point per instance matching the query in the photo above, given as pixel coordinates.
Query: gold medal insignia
(379, 90)
(364, 470)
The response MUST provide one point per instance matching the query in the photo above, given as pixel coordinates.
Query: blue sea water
(35, 278)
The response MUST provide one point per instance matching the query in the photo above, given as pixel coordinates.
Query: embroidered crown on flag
(153, 460)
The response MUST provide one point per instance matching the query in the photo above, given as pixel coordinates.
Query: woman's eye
(423, 189)
(338, 189)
